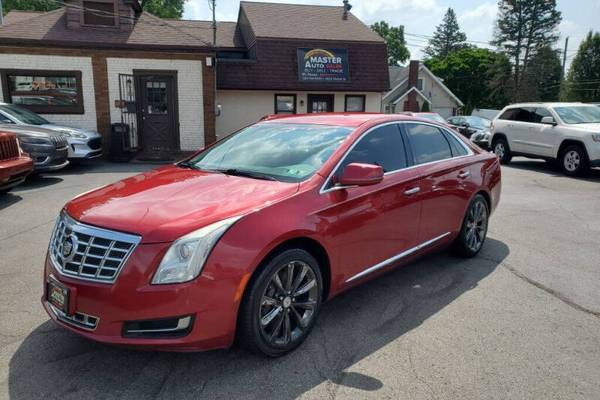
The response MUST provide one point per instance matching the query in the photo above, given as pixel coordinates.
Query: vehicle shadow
(8, 199)
(551, 169)
(37, 181)
(55, 363)
(102, 167)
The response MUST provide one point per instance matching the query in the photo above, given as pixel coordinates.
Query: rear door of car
(368, 225)
(445, 186)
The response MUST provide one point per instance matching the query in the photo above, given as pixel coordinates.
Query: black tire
(262, 299)
(473, 230)
(574, 161)
(501, 148)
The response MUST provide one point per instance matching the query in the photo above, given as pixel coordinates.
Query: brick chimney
(411, 103)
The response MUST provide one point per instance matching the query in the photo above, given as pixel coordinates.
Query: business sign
(323, 65)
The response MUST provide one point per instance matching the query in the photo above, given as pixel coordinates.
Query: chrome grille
(60, 142)
(8, 147)
(86, 252)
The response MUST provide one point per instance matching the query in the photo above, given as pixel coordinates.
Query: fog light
(159, 328)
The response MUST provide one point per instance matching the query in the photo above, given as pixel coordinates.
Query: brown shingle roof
(296, 21)
(149, 30)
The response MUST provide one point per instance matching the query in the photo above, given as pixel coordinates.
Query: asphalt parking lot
(520, 321)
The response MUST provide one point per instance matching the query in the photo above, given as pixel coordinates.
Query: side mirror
(548, 121)
(358, 174)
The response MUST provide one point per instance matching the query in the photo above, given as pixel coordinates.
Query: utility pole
(214, 22)
(564, 57)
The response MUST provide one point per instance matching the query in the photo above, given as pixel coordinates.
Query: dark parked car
(14, 164)
(476, 129)
(48, 149)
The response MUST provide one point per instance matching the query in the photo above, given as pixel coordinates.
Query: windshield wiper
(186, 164)
(249, 174)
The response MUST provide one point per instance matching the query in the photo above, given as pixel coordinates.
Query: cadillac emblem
(69, 247)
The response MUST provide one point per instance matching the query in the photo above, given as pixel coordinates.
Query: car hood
(30, 130)
(594, 128)
(166, 203)
(69, 129)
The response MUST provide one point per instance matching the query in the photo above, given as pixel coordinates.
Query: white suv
(567, 132)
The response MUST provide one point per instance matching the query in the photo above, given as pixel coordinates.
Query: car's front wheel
(501, 149)
(474, 228)
(574, 161)
(280, 306)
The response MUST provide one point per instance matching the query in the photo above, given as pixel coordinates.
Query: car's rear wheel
(574, 160)
(501, 149)
(280, 306)
(474, 228)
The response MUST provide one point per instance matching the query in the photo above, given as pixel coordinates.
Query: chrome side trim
(396, 257)
(322, 190)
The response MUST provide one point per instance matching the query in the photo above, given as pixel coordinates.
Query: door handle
(463, 174)
(410, 192)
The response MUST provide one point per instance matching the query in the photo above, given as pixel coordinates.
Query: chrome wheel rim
(288, 303)
(476, 226)
(571, 160)
(499, 150)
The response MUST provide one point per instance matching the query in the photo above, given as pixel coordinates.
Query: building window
(99, 13)
(420, 84)
(44, 92)
(285, 104)
(355, 103)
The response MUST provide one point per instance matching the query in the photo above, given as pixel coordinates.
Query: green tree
(476, 76)
(29, 5)
(394, 38)
(447, 37)
(541, 81)
(524, 26)
(164, 8)
(583, 80)
(160, 8)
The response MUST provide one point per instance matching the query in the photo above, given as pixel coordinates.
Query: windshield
(23, 115)
(478, 122)
(285, 152)
(578, 114)
(433, 117)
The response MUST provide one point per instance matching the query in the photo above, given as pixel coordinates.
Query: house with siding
(95, 63)
(414, 86)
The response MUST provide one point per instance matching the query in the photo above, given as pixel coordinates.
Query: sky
(420, 17)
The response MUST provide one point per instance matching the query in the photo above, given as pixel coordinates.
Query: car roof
(339, 118)
(552, 104)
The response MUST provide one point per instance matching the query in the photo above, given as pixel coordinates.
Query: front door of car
(541, 138)
(370, 224)
(445, 180)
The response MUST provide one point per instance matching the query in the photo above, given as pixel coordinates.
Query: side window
(382, 146)
(509, 114)
(539, 114)
(428, 143)
(525, 115)
(455, 146)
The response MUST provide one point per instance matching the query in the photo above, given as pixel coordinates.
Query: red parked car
(248, 237)
(14, 164)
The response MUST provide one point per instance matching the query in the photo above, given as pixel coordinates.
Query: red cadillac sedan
(245, 240)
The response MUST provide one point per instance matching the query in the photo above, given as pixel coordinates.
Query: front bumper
(85, 149)
(46, 157)
(13, 172)
(131, 297)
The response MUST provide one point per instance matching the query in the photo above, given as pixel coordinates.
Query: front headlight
(186, 257)
(596, 137)
(73, 134)
(34, 140)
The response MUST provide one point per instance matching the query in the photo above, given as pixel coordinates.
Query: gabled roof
(149, 31)
(300, 21)
(399, 77)
(413, 89)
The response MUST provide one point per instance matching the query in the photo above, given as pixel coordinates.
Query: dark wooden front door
(158, 114)
(318, 103)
